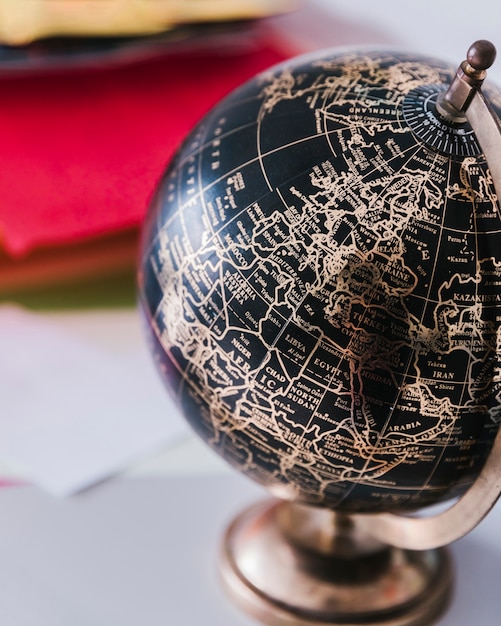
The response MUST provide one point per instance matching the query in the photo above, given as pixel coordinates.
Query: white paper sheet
(72, 412)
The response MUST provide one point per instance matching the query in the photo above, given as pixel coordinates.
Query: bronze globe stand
(288, 564)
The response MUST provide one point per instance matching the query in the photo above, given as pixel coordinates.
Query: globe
(320, 275)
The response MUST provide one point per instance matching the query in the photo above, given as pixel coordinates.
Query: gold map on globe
(320, 276)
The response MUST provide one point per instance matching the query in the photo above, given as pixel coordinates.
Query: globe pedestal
(293, 565)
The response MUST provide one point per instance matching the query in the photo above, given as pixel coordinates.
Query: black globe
(320, 276)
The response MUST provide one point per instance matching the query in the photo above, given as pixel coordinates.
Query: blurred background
(97, 94)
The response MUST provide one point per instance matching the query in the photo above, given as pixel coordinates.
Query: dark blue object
(320, 280)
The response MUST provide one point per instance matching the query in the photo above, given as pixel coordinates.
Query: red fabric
(83, 150)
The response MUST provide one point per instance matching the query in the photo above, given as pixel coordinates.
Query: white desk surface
(141, 549)
(143, 552)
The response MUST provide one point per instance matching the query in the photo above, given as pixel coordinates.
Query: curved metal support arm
(464, 98)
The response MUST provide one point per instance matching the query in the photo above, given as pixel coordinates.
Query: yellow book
(24, 21)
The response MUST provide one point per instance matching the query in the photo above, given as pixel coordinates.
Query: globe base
(287, 564)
